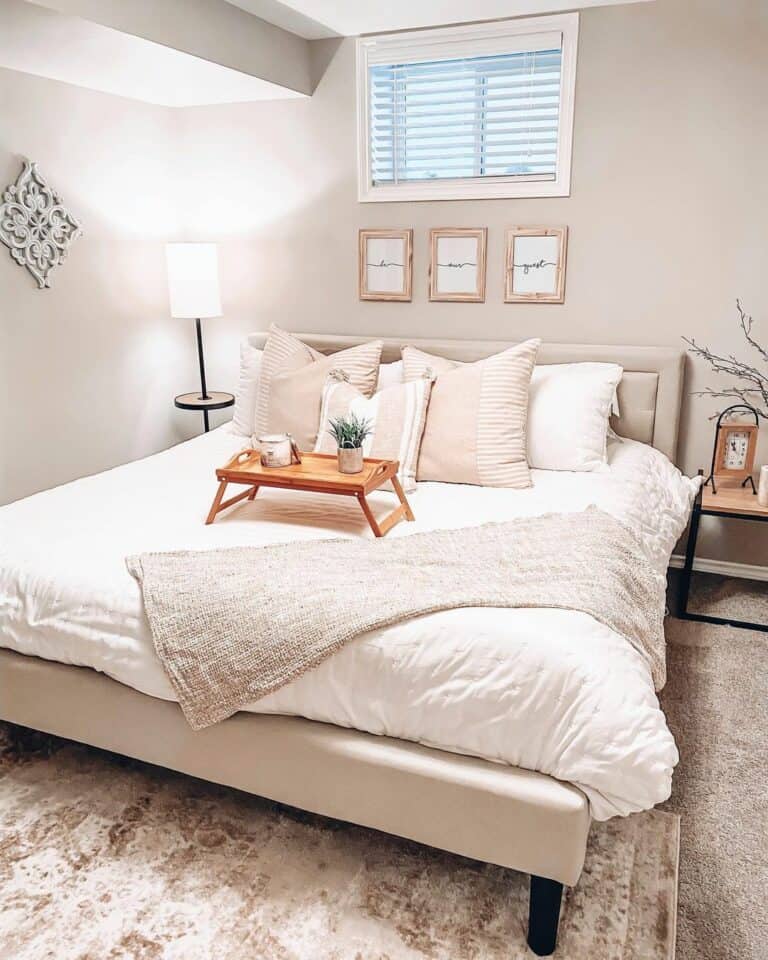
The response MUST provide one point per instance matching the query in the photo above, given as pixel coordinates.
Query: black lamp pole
(201, 360)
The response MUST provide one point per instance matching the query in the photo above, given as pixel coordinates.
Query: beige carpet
(716, 701)
(107, 859)
(727, 597)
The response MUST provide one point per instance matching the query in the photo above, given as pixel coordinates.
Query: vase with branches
(751, 386)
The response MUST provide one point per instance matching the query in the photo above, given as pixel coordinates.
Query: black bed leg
(544, 915)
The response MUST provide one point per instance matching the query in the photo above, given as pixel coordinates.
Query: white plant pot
(350, 459)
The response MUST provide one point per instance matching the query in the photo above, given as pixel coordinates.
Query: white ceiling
(40, 41)
(289, 16)
(314, 19)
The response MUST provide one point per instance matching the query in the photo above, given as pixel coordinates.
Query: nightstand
(212, 401)
(732, 503)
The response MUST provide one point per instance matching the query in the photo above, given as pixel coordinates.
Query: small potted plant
(349, 433)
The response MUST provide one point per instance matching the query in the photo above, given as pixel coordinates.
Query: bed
(383, 734)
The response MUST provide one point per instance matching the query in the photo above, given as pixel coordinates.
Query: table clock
(733, 453)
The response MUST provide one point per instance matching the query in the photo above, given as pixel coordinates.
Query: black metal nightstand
(211, 401)
(733, 503)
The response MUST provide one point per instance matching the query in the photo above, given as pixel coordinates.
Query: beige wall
(89, 368)
(667, 221)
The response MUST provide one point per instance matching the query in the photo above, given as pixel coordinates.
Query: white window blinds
(476, 117)
(487, 108)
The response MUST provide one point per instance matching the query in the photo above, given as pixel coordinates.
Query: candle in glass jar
(762, 487)
(275, 450)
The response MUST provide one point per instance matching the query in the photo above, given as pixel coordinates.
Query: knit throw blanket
(232, 625)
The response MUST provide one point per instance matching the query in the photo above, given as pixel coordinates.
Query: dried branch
(753, 389)
(745, 323)
(734, 393)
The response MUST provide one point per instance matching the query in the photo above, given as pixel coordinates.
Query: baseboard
(726, 568)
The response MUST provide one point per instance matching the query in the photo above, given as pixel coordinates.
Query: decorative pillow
(475, 430)
(397, 415)
(245, 399)
(292, 378)
(568, 412)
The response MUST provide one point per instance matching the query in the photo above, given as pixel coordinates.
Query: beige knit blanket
(232, 625)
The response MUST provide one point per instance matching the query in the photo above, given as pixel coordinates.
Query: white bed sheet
(548, 690)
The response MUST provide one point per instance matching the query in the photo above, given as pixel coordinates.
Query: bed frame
(487, 811)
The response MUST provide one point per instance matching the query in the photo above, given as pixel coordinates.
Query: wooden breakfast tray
(318, 473)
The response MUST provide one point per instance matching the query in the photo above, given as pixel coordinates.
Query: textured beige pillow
(397, 415)
(291, 383)
(475, 430)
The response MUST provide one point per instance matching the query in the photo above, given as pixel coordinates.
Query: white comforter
(549, 690)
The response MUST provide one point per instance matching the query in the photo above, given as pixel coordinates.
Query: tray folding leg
(217, 506)
(382, 527)
(402, 498)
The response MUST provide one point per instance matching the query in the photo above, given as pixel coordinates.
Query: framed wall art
(35, 225)
(385, 264)
(457, 264)
(534, 265)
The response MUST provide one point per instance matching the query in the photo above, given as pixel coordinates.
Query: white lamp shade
(193, 280)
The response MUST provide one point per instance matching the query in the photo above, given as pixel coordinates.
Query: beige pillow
(397, 415)
(475, 430)
(291, 383)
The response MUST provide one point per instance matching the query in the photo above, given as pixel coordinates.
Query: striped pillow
(291, 383)
(475, 430)
(397, 415)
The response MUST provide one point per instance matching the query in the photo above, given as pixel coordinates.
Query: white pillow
(245, 399)
(389, 375)
(568, 409)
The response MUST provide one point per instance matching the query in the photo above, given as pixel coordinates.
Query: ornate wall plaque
(35, 225)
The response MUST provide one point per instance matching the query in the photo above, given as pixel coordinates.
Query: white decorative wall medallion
(35, 225)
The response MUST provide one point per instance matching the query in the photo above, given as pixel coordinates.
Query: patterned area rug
(102, 858)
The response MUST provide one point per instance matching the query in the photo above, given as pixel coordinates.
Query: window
(468, 112)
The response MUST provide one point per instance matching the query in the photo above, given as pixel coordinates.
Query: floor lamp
(193, 285)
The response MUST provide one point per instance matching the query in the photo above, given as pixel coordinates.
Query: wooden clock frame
(723, 428)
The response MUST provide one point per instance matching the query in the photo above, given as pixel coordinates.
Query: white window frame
(495, 37)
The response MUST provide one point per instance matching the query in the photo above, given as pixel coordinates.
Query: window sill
(464, 190)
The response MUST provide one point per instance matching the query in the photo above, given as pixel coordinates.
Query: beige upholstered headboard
(650, 391)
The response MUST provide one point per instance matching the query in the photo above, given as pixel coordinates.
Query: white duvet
(548, 690)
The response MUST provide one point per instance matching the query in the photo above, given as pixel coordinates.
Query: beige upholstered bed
(489, 811)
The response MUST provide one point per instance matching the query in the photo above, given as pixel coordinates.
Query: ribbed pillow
(475, 430)
(291, 383)
(397, 415)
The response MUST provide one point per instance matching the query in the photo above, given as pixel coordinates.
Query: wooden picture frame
(457, 264)
(534, 264)
(385, 264)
